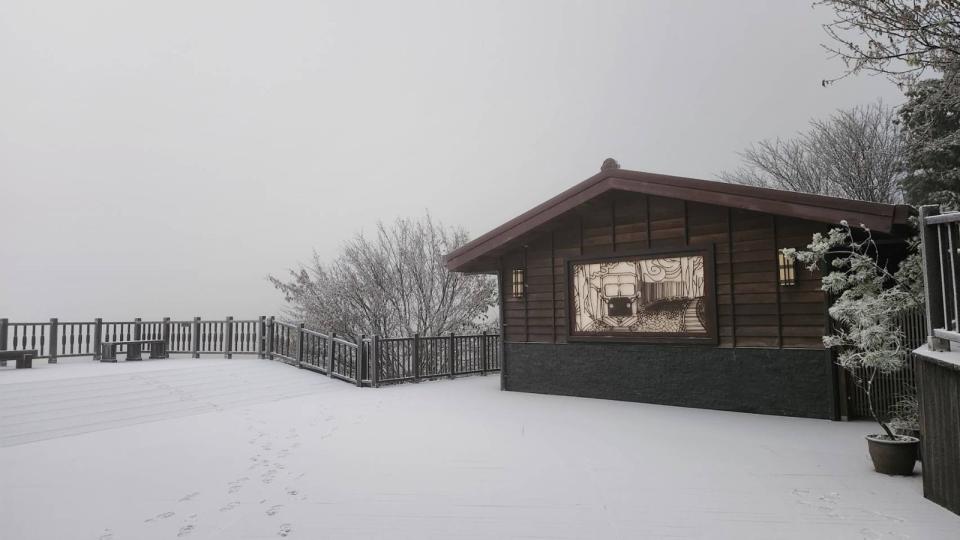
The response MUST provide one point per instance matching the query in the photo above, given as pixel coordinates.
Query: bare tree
(856, 154)
(394, 284)
(898, 38)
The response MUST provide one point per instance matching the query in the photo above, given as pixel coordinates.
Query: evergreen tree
(931, 126)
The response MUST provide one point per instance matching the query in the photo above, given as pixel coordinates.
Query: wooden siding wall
(753, 310)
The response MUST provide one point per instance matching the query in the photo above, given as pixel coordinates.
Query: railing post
(165, 333)
(228, 338)
(54, 339)
(261, 336)
(330, 345)
(300, 345)
(450, 353)
(97, 337)
(4, 326)
(195, 338)
(137, 330)
(483, 353)
(361, 360)
(416, 357)
(375, 364)
(270, 331)
(931, 275)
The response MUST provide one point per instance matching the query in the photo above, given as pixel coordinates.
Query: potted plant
(906, 418)
(868, 298)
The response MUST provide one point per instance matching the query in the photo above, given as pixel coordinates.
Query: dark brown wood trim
(501, 281)
(526, 297)
(776, 277)
(613, 223)
(503, 327)
(553, 286)
(646, 211)
(686, 225)
(733, 297)
(580, 234)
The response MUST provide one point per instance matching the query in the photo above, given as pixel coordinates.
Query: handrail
(940, 238)
(365, 361)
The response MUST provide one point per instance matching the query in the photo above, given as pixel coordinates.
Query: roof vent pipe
(608, 164)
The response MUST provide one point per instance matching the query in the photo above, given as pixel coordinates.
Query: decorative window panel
(650, 296)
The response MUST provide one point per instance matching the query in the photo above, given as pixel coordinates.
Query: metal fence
(889, 388)
(377, 361)
(367, 361)
(55, 339)
(940, 235)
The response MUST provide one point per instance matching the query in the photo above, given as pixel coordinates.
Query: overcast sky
(161, 158)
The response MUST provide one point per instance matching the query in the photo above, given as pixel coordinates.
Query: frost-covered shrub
(868, 300)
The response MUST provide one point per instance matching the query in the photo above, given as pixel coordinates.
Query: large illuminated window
(655, 295)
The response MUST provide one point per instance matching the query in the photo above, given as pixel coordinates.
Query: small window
(518, 283)
(788, 269)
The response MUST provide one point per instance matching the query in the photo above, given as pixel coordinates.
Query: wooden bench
(24, 359)
(108, 349)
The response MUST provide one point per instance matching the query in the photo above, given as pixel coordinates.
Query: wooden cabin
(660, 289)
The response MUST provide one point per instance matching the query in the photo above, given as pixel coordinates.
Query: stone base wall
(788, 382)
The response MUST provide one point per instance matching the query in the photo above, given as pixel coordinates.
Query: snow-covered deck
(246, 448)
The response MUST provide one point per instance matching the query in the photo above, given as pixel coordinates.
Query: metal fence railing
(889, 388)
(55, 339)
(374, 361)
(366, 361)
(940, 236)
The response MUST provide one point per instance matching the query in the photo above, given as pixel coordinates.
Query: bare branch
(855, 154)
(394, 284)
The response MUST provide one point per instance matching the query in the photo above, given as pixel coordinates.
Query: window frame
(518, 288)
(786, 266)
(709, 298)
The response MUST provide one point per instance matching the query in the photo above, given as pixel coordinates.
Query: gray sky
(161, 158)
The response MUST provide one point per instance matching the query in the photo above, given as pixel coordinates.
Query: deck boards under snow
(244, 448)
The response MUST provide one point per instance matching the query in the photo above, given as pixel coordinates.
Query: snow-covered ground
(246, 448)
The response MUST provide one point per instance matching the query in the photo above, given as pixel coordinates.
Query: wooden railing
(940, 235)
(55, 339)
(376, 361)
(367, 361)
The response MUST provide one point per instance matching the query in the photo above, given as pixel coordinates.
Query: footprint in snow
(188, 526)
(229, 506)
(285, 530)
(158, 517)
(274, 510)
(269, 476)
(107, 535)
(236, 485)
(186, 498)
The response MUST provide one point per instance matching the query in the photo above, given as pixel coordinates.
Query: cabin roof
(481, 254)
